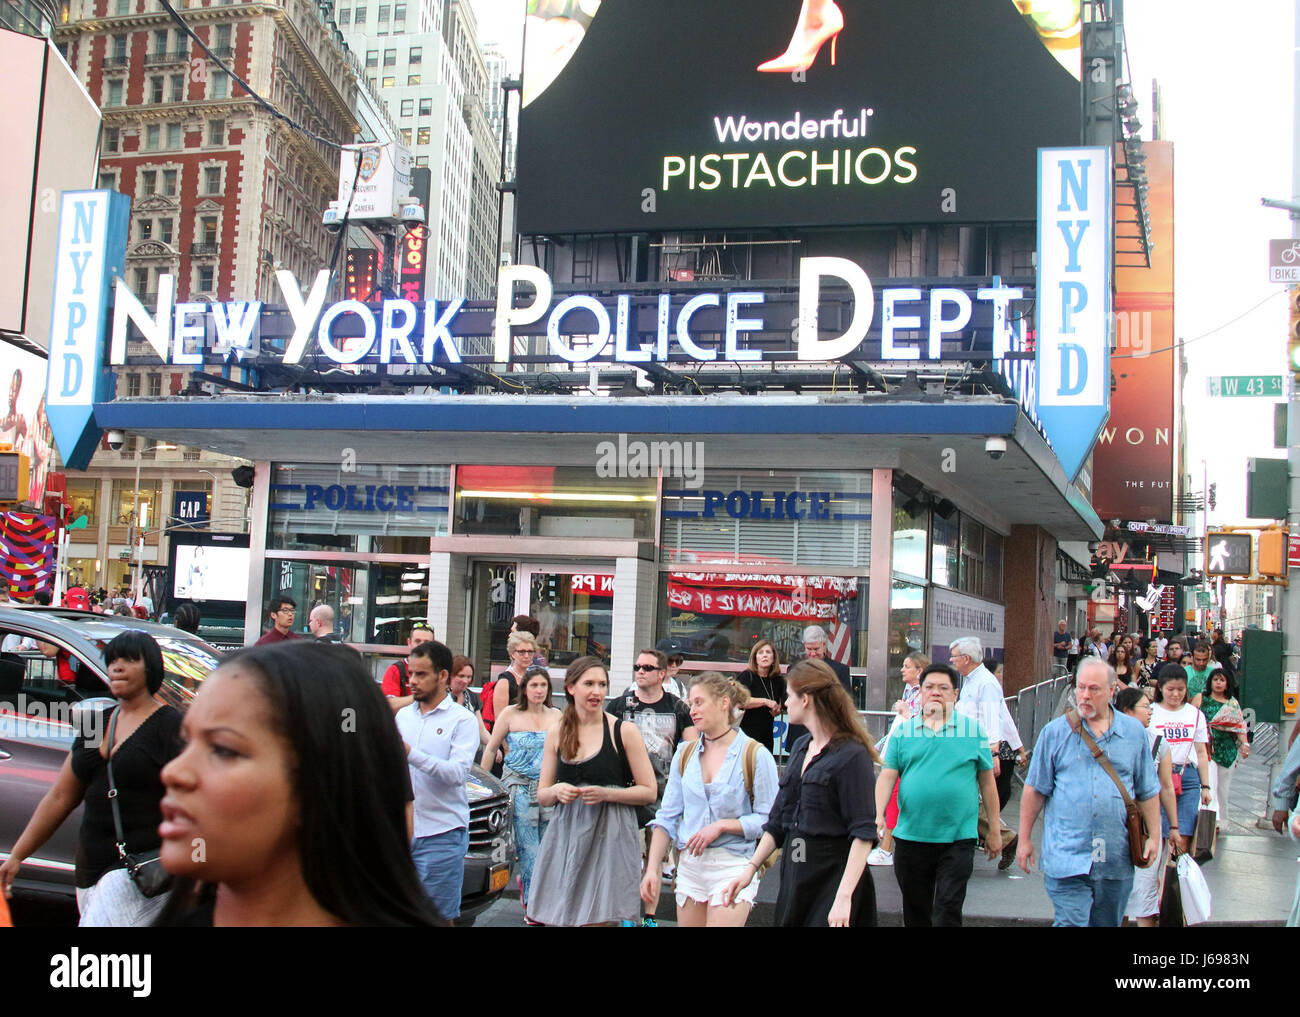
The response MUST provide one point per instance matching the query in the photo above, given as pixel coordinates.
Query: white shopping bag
(1196, 892)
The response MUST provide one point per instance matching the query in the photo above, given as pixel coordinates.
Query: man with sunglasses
(663, 720)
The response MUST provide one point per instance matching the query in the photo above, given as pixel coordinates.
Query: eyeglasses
(522, 650)
(646, 667)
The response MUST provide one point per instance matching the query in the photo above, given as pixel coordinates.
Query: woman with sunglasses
(523, 727)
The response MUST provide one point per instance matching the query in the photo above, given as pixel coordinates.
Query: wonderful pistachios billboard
(654, 115)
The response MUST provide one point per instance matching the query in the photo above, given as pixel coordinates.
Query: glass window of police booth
(374, 603)
(368, 509)
(762, 554)
(906, 631)
(966, 555)
(555, 501)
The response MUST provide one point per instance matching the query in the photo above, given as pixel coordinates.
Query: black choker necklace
(705, 739)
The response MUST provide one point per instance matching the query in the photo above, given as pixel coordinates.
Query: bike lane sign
(1284, 261)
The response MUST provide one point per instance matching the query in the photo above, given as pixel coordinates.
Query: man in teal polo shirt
(1198, 674)
(942, 760)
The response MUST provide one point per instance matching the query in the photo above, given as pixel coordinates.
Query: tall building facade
(425, 63)
(223, 194)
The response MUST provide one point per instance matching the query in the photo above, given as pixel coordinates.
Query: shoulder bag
(644, 813)
(146, 870)
(1137, 826)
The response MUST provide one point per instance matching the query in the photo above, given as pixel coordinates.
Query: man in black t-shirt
(663, 719)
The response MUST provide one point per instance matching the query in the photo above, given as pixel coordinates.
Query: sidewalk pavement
(1252, 876)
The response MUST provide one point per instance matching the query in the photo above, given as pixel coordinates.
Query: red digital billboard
(1133, 460)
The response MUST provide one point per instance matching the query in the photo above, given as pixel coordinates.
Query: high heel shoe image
(819, 21)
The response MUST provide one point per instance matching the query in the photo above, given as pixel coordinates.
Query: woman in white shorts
(1144, 900)
(720, 790)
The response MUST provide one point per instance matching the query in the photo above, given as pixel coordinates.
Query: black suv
(36, 734)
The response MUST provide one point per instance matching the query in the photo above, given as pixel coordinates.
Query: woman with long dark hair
(1119, 660)
(138, 736)
(825, 811)
(1228, 734)
(766, 690)
(1185, 731)
(288, 803)
(595, 771)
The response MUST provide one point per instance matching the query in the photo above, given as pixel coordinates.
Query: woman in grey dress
(595, 771)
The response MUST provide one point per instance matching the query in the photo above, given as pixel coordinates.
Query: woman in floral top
(1227, 735)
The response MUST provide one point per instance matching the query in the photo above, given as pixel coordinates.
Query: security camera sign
(372, 180)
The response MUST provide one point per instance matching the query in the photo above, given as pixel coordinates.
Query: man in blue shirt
(1086, 864)
(440, 737)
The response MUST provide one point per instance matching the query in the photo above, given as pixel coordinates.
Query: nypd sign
(1073, 308)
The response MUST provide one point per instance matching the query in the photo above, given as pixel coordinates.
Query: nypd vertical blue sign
(1074, 295)
(92, 250)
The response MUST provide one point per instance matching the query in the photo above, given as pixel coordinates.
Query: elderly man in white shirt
(981, 698)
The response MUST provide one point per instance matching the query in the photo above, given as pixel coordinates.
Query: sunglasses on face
(646, 667)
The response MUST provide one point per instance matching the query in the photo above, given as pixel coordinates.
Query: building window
(399, 12)
(151, 134)
(212, 180)
(223, 38)
(148, 182)
(155, 385)
(141, 288)
(374, 83)
(345, 16)
(216, 132)
(169, 182)
(408, 107)
(174, 136)
(160, 39)
(206, 277)
(123, 7)
(412, 79)
(119, 47)
(178, 88)
(112, 139)
(114, 97)
(422, 160)
(220, 85)
(133, 380)
(156, 89)
(372, 58)
(144, 229)
(416, 55)
(426, 107)
(108, 180)
(165, 230)
(359, 18)
(406, 135)
(208, 228)
(390, 58)
(423, 137)
(387, 82)
(384, 11)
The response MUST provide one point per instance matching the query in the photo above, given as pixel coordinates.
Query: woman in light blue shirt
(720, 790)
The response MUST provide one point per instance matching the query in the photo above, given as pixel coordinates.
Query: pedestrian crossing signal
(13, 476)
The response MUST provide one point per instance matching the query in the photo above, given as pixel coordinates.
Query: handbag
(146, 870)
(644, 813)
(1171, 900)
(1206, 838)
(1137, 826)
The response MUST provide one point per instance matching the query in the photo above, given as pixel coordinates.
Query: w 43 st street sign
(1266, 386)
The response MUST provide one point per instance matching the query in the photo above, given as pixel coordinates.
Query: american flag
(839, 645)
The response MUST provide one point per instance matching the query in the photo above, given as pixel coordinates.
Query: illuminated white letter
(810, 272)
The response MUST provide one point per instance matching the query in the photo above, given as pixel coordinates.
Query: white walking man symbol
(1219, 557)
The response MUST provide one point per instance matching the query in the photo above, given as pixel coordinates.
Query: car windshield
(186, 661)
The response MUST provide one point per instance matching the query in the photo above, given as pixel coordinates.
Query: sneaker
(1008, 853)
(879, 856)
(649, 923)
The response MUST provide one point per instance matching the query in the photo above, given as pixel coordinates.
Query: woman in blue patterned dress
(523, 726)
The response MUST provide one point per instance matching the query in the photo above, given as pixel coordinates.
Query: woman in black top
(766, 692)
(825, 811)
(595, 770)
(145, 739)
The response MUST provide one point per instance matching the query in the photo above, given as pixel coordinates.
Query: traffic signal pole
(1290, 597)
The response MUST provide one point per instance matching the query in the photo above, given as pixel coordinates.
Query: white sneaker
(879, 856)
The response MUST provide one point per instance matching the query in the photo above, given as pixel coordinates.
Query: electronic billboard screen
(654, 115)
